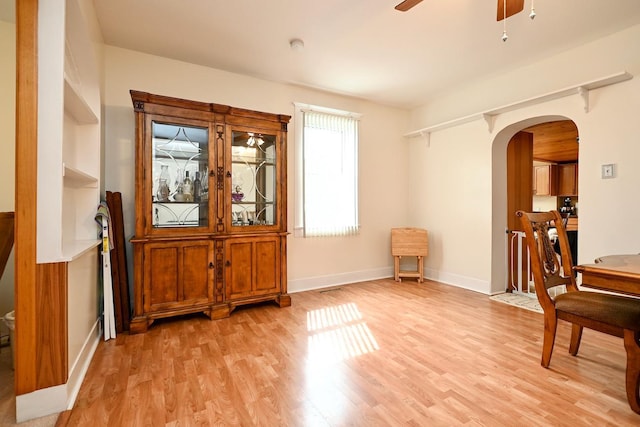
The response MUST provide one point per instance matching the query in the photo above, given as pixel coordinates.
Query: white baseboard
(40, 403)
(319, 282)
(52, 400)
(81, 364)
(464, 282)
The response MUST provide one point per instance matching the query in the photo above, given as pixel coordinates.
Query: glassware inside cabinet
(180, 155)
(253, 179)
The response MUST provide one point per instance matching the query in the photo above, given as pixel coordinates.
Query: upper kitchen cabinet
(211, 224)
(568, 179)
(545, 180)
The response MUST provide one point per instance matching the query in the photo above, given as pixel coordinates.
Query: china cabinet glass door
(179, 168)
(253, 179)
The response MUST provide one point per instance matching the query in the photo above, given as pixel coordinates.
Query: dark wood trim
(141, 99)
(26, 194)
(519, 189)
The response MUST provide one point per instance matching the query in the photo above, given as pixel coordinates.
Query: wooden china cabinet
(211, 223)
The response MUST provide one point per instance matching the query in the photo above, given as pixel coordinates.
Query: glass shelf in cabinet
(265, 202)
(180, 156)
(253, 160)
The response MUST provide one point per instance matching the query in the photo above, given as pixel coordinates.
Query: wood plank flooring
(376, 353)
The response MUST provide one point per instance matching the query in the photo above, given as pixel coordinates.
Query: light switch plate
(608, 171)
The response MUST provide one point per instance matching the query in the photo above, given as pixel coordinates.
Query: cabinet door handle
(212, 173)
(228, 174)
(228, 263)
(211, 265)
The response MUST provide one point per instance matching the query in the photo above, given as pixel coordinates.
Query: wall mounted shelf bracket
(490, 119)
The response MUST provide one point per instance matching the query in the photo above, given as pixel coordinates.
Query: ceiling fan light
(532, 15)
(296, 44)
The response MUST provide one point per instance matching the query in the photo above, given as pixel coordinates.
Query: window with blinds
(329, 173)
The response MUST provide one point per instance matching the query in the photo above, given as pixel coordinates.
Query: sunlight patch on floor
(339, 333)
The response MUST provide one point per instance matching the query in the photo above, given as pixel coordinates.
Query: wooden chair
(408, 242)
(612, 314)
(6, 238)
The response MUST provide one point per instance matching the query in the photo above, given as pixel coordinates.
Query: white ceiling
(363, 48)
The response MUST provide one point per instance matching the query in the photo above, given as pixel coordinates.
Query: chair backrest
(6, 237)
(549, 270)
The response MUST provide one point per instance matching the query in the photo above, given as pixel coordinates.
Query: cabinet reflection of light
(253, 140)
(339, 333)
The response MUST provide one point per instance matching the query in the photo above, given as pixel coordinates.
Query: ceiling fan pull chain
(504, 23)
(532, 15)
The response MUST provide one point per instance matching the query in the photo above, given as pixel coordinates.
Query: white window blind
(330, 174)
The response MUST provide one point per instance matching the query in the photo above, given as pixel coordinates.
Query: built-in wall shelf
(76, 105)
(72, 250)
(490, 115)
(75, 178)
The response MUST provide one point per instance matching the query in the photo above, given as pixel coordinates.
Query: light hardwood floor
(376, 353)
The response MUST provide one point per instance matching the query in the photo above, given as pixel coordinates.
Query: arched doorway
(507, 194)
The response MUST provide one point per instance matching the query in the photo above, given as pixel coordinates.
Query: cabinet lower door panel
(162, 274)
(196, 281)
(267, 266)
(239, 269)
(252, 267)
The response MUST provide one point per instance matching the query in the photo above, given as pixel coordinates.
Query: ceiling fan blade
(513, 7)
(407, 4)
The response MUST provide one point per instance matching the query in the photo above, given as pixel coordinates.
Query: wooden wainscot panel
(51, 324)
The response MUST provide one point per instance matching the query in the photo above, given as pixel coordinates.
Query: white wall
(608, 208)
(81, 143)
(384, 177)
(545, 203)
(451, 189)
(7, 148)
(83, 294)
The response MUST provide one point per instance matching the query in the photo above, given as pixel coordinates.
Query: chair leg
(576, 335)
(632, 345)
(550, 326)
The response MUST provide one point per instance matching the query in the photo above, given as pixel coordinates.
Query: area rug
(519, 300)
